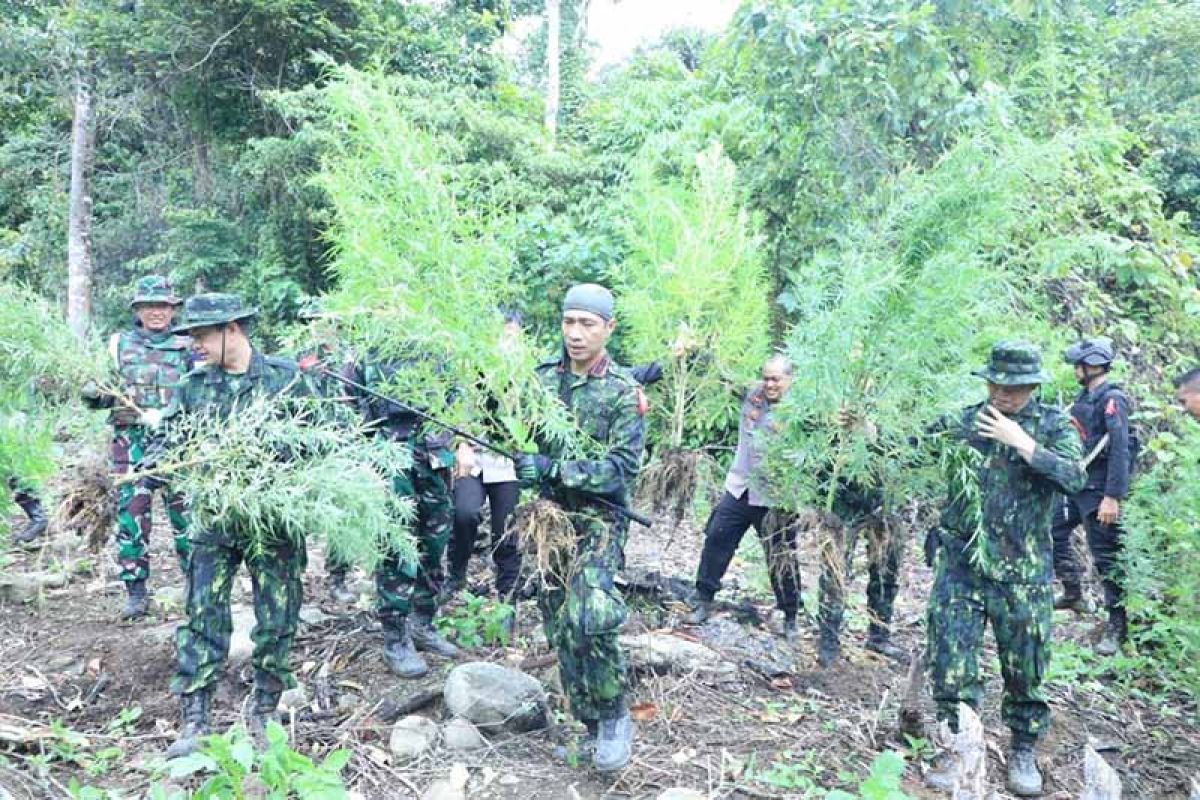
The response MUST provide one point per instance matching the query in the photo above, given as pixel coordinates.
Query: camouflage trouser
(961, 604)
(134, 517)
(403, 586)
(202, 642)
(582, 617)
(884, 551)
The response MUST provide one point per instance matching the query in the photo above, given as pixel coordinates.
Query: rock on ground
(412, 736)
(495, 697)
(241, 647)
(663, 652)
(460, 734)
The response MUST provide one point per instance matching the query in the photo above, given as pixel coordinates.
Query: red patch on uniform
(1110, 408)
(643, 405)
(308, 362)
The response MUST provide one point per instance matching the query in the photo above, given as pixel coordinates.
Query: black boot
(37, 519)
(614, 743)
(879, 641)
(339, 592)
(453, 585)
(261, 712)
(1024, 777)
(829, 645)
(700, 613)
(400, 655)
(193, 714)
(137, 602)
(425, 636)
(1071, 599)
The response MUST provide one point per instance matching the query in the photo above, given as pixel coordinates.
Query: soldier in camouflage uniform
(993, 552)
(151, 361)
(582, 618)
(408, 591)
(232, 375)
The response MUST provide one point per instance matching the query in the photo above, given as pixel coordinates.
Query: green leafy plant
(883, 783)
(477, 621)
(232, 769)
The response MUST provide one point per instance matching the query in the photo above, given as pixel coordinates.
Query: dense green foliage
(900, 184)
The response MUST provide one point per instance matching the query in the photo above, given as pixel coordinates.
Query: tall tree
(79, 220)
(552, 56)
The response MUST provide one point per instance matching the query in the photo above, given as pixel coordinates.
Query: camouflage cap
(1014, 364)
(1095, 352)
(214, 308)
(154, 289)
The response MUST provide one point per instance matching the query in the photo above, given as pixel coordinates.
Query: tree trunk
(79, 221)
(552, 53)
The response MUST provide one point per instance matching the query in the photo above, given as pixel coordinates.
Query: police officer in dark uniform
(1101, 415)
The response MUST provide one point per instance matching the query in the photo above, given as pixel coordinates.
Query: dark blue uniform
(1096, 413)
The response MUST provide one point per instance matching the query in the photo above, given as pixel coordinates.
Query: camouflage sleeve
(1056, 458)
(614, 473)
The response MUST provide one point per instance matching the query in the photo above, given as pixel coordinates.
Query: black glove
(536, 469)
(648, 373)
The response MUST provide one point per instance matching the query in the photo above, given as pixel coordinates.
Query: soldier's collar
(598, 369)
(257, 364)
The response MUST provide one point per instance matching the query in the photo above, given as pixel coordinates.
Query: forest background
(879, 188)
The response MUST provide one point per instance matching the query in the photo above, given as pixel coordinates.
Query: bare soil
(65, 659)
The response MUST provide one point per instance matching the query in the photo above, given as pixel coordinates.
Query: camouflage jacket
(1004, 533)
(609, 408)
(219, 393)
(392, 420)
(151, 368)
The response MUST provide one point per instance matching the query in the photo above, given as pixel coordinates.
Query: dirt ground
(65, 660)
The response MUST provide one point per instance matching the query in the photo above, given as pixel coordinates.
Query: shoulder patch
(1110, 408)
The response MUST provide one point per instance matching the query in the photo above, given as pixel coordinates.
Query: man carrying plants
(151, 361)
(1101, 415)
(745, 504)
(581, 610)
(231, 376)
(993, 555)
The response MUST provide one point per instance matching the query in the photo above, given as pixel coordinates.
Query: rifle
(619, 509)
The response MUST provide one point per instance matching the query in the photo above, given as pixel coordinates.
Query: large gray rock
(661, 652)
(22, 587)
(412, 736)
(495, 697)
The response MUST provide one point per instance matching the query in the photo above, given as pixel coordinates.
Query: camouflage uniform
(151, 367)
(583, 617)
(406, 586)
(859, 513)
(993, 561)
(202, 643)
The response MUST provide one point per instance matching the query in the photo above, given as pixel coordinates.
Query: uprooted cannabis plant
(694, 298)
(271, 477)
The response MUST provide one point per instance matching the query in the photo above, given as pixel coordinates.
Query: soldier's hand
(1109, 511)
(992, 424)
(535, 469)
(151, 417)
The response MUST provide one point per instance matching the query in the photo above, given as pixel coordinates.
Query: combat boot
(400, 655)
(425, 636)
(879, 641)
(453, 585)
(339, 592)
(942, 772)
(193, 726)
(1071, 598)
(1024, 777)
(37, 520)
(829, 648)
(137, 602)
(791, 630)
(614, 743)
(262, 705)
(700, 613)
